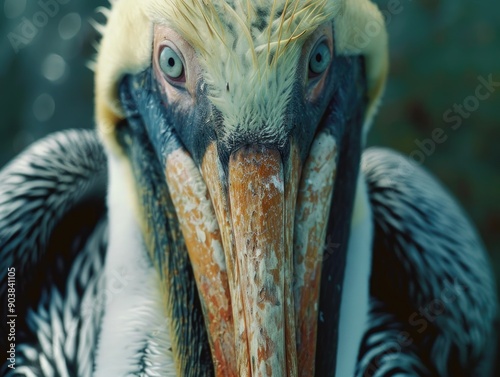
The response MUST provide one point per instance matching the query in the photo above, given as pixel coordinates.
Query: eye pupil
(171, 62)
(320, 59)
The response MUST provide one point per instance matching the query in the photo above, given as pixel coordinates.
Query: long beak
(311, 220)
(257, 239)
(203, 241)
(256, 246)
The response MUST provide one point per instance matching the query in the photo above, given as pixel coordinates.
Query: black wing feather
(53, 230)
(433, 304)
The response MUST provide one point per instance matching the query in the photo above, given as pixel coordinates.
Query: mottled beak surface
(255, 239)
(254, 209)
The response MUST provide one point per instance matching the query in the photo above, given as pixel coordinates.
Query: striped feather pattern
(66, 321)
(53, 232)
(433, 293)
(38, 189)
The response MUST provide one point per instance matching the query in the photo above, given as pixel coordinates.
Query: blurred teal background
(439, 49)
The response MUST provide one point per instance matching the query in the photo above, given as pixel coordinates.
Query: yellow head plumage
(230, 36)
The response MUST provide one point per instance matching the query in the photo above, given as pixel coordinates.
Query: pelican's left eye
(171, 64)
(320, 59)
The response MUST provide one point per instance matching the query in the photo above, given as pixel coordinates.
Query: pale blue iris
(171, 63)
(320, 58)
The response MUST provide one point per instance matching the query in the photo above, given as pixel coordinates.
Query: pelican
(226, 219)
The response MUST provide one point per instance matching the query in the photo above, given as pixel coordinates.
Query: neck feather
(355, 296)
(134, 323)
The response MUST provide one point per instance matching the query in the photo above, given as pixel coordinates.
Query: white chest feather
(134, 339)
(355, 296)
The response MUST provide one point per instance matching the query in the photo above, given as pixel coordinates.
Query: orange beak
(255, 243)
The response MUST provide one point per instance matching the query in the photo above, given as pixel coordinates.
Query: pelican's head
(239, 121)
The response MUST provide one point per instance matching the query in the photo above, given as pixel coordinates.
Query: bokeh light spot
(54, 67)
(44, 107)
(70, 25)
(14, 8)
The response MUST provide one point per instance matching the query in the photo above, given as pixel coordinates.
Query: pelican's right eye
(171, 65)
(320, 59)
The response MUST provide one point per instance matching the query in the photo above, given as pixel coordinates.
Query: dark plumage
(433, 293)
(53, 231)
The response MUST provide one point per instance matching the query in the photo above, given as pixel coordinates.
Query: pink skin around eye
(173, 89)
(318, 83)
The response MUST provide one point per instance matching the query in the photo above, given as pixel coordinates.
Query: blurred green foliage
(438, 51)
